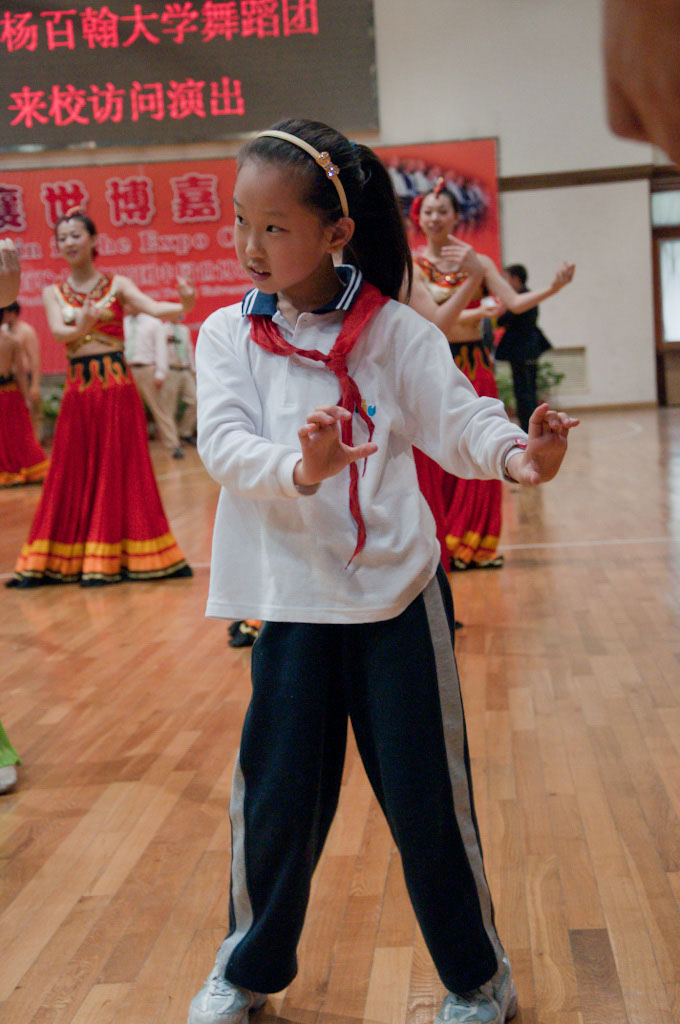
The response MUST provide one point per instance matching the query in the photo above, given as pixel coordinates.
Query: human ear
(339, 234)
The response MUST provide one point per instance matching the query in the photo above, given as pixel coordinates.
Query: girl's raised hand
(547, 446)
(324, 454)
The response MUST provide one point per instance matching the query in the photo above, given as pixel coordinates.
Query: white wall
(526, 71)
(609, 306)
(529, 72)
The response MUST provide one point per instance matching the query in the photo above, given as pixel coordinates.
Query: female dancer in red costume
(100, 519)
(467, 512)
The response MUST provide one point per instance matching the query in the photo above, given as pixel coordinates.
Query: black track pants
(398, 683)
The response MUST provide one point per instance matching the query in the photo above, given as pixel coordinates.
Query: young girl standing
(311, 394)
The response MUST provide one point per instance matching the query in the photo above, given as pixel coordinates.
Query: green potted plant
(547, 379)
(52, 393)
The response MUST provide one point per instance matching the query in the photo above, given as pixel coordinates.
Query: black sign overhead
(127, 73)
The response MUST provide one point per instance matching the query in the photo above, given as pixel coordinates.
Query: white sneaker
(8, 777)
(492, 1003)
(504, 991)
(220, 1002)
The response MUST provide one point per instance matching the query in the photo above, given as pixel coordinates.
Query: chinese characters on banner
(155, 222)
(158, 221)
(154, 72)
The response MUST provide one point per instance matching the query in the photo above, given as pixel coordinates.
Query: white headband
(322, 159)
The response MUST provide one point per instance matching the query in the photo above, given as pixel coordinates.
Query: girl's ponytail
(379, 247)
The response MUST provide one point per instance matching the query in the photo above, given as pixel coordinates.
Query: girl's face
(437, 216)
(283, 246)
(74, 242)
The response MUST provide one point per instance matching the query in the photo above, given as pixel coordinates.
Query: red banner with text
(155, 222)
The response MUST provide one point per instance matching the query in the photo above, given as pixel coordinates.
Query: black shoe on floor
(244, 636)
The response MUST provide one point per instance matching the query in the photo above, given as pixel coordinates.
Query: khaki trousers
(180, 385)
(152, 398)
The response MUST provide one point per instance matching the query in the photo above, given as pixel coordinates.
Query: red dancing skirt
(22, 460)
(467, 513)
(100, 518)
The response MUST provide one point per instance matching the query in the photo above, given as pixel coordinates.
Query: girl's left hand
(187, 293)
(547, 446)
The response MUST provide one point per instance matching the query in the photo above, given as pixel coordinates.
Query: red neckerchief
(266, 334)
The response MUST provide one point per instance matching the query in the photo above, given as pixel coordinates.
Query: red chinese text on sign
(12, 213)
(195, 198)
(58, 197)
(130, 200)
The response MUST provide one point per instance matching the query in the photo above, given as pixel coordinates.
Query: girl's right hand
(324, 454)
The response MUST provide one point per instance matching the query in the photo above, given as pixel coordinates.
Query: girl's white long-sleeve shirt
(278, 555)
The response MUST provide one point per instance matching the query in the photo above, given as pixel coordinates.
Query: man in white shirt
(180, 383)
(146, 353)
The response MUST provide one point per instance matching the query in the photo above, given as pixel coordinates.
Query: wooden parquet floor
(126, 705)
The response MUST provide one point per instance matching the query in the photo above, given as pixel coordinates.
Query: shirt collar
(258, 302)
